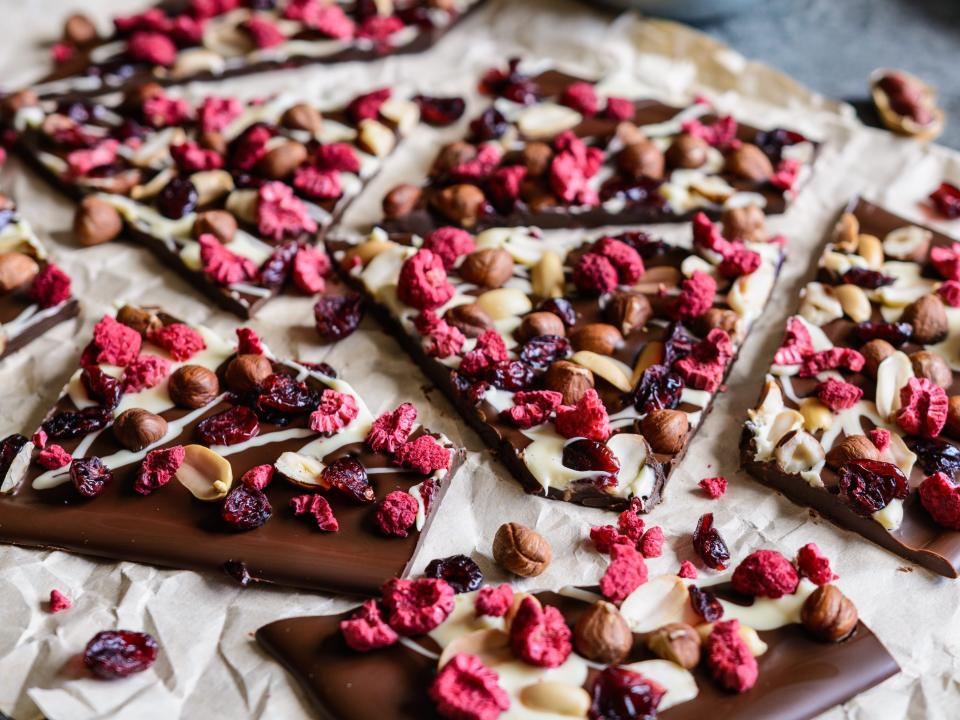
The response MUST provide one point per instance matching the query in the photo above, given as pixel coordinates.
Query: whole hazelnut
(302, 116)
(461, 203)
(520, 550)
(749, 162)
(96, 221)
(600, 338)
(687, 151)
(829, 614)
(747, 223)
(193, 386)
(219, 223)
(537, 156)
(401, 201)
(78, 29)
(602, 634)
(628, 311)
(245, 372)
(137, 428)
(282, 160)
(212, 140)
(628, 133)
(852, 447)
(540, 323)
(143, 321)
(569, 379)
(665, 430)
(933, 367)
(928, 317)
(469, 318)
(16, 269)
(953, 416)
(489, 268)
(641, 159)
(677, 642)
(452, 155)
(874, 353)
(726, 320)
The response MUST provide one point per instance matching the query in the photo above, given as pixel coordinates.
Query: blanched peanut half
(854, 302)
(302, 470)
(656, 603)
(871, 249)
(211, 185)
(404, 113)
(613, 371)
(557, 698)
(243, 205)
(376, 138)
(207, 475)
(368, 249)
(546, 277)
(504, 303)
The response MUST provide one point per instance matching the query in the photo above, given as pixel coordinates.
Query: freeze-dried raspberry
(797, 344)
(190, 157)
(581, 97)
(59, 602)
(625, 259)
(224, 266)
(720, 133)
(923, 408)
(216, 113)
(424, 455)
(426, 321)
(738, 260)
(379, 28)
(480, 166)
(367, 106)
(332, 21)
(947, 261)
(443, 340)
(212, 8)
(595, 274)
(707, 234)
(61, 52)
(838, 395)
(730, 661)
(949, 292)
(569, 180)
(250, 147)
(532, 407)
(539, 635)
(115, 343)
(652, 544)
(317, 183)
(144, 372)
(248, 342)
(366, 630)
(703, 368)
(836, 357)
(336, 410)
(765, 573)
(257, 477)
(619, 108)
(153, 19)
(880, 438)
(310, 266)
(813, 564)
(489, 350)
(397, 513)
(587, 418)
(626, 572)
(53, 457)
(416, 607)
(157, 468)
(281, 213)
(161, 110)
(81, 162)
(391, 429)
(696, 296)
(423, 281)
(604, 537)
(494, 601)
(786, 174)
(264, 33)
(687, 570)
(181, 341)
(337, 156)
(186, 30)
(50, 286)
(152, 47)
(318, 507)
(465, 689)
(630, 523)
(714, 487)
(503, 186)
(940, 496)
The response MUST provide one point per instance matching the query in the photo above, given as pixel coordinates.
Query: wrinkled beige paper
(209, 665)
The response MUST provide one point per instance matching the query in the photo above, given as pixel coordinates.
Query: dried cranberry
(946, 199)
(119, 653)
(348, 475)
(870, 485)
(178, 198)
(236, 425)
(320, 367)
(540, 352)
(935, 455)
(460, 572)
(640, 191)
(512, 375)
(705, 604)
(591, 455)
(510, 84)
(440, 110)
(284, 394)
(896, 333)
(772, 142)
(490, 125)
(658, 389)
(644, 243)
(708, 543)
(101, 387)
(275, 270)
(338, 315)
(71, 424)
(9, 447)
(246, 508)
(89, 476)
(621, 694)
(870, 279)
(678, 344)
(562, 308)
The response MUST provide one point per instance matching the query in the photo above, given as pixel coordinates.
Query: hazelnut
(846, 233)
(520, 550)
(401, 201)
(852, 447)
(193, 386)
(96, 221)
(537, 156)
(540, 323)
(137, 95)
(16, 269)
(749, 162)
(686, 151)
(726, 320)
(219, 223)
(747, 223)
(490, 267)
(665, 430)
(143, 321)
(933, 367)
(829, 614)
(302, 116)
(628, 133)
(569, 379)
(953, 416)
(874, 353)
(600, 338)
(451, 156)
(677, 642)
(461, 203)
(247, 371)
(78, 29)
(641, 159)
(15, 102)
(602, 635)
(628, 311)
(470, 319)
(929, 319)
(282, 160)
(137, 428)
(212, 140)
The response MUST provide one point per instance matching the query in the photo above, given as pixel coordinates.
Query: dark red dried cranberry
(236, 425)
(895, 333)
(72, 424)
(870, 485)
(644, 243)
(709, 545)
(114, 654)
(489, 125)
(275, 270)
(89, 476)
(460, 572)
(246, 508)
(658, 389)
(284, 394)
(9, 447)
(621, 694)
(678, 344)
(129, 129)
(440, 110)
(338, 315)
(639, 191)
(348, 475)
(562, 308)
(178, 198)
(946, 199)
(705, 604)
(541, 351)
(772, 142)
(935, 455)
(512, 375)
(101, 387)
(510, 84)
(320, 367)
(870, 279)
(237, 569)
(588, 455)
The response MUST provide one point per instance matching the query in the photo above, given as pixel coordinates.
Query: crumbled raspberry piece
(923, 408)
(503, 186)
(316, 505)
(630, 523)
(765, 573)
(465, 689)
(224, 266)
(625, 259)
(264, 33)
(703, 368)
(59, 602)
(53, 457)
(152, 47)
(190, 157)
(115, 343)
(416, 607)
(281, 213)
(604, 537)
(212, 8)
(880, 438)
(949, 292)
(838, 395)
(426, 321)
(161, 110)
(947, 261)
(157, 468)
(619, 109)
(714, 487)
(216, 113)
(39, 439)
(813, 564)
(144, 372)
(424, 455)
(571, 169)
(187, 30)
(391, 430)
(539, 635)
(480, 166)
(257, 477)
(181, 341)
(532, 407)
(652, 544)
(738, 260)
(336, 410)
(317, 183)
(61, 52)
(248, 342)
(366, 630)
(832, 359)
(940, 497)
(588, 418)
(250, 147)
(707, 234)
(51, 286)
(626, 572)
(310, 265)
(330, 20)
(696, 297)
(423, 281)
(489, 350)
(730, 661)
(720, 133)
(397, 513)
(494, 601)
(786, 174)
(379, 27)
(81, 162)
(337, 156)
(797, 344)
(443, 340)
(581, 97)
(687, 570)
(153, 19)
(367, 107)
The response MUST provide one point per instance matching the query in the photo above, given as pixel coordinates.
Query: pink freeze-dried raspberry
(423, 455)
(257, 477)
(336, 410)
(465, 689)
(337, 156)
(318, 507)
(144, 372)
(187, 30)
(494, 601)
(81, 162)
(264, 33)
(923, 407)
(215, 113)
(838, 395)
(539, 635)
(51, 286)
(687, 570)
(880, 438)
(594, 274)
(379, 28)
(426, 321)
(949, 292)
(707, 234)
(397, 513)
(332, 21)
(765, 573)
(489, 350)
(813, 564)
(423, 281)
(416, 607)
(181, 341)
(161, 110)
(391, 430)
(786, 174)
(714, 487)
(532, 407)
(443, 340)
(738, 260)
(367, 106)
(619, 109)
(626, 572)
(940, 497)
(569, 180)
(587, 418)
(212, 8)
(696, 297)
(703, 368)
(317, 183)
(832, 359)
(720, 133)
(797, 344)
(281, 213)
(366, 630)
(449, 243)
(59, 602)
(503, 185)
(581, 97)
(652, 544)
(115, 343)
(153, 19)
(222, 265)
(190, 157)
(39, 439)
(157, 468)
(152, 47)
(947, 261)
(310, 266)
(625, 259)
(480, 166)
(53, 457)
(248, 342)
(61, 52)
(630, 523)
(604, 537)
(250, 147)
(730, 661)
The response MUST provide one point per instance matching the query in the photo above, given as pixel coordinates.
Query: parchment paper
(209, 665)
